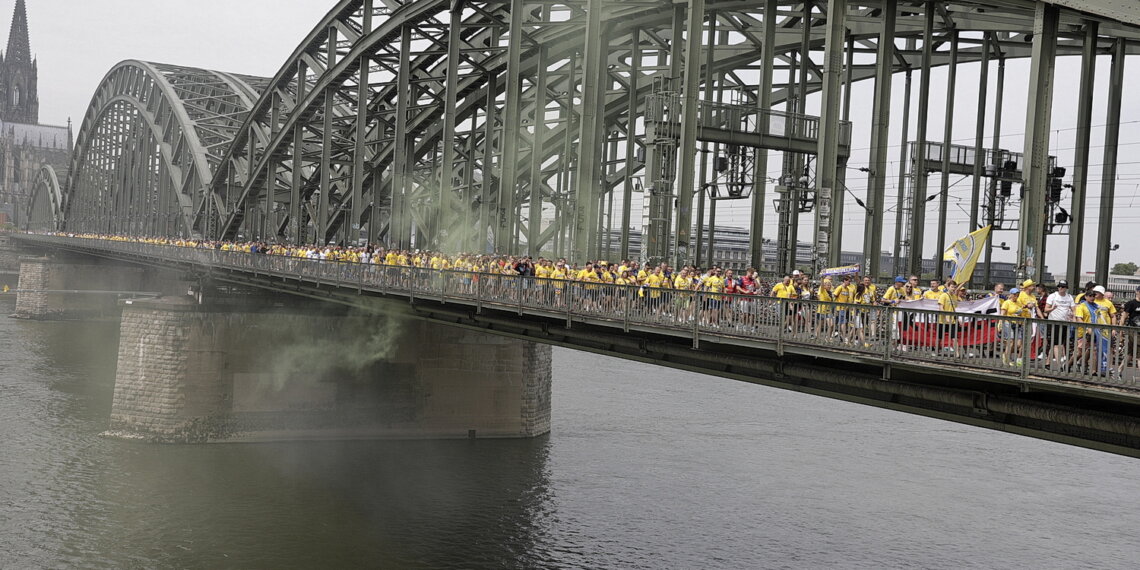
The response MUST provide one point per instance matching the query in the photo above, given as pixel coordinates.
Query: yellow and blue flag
(965, 253)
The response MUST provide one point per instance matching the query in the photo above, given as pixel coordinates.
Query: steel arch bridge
(150, 141)
(515, 125)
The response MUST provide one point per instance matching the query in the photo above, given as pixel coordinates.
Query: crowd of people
(835, 308)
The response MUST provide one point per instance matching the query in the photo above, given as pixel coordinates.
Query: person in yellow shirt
(643, 273)
(935, 291)
(654, 281)
(585, 273)
(558, 276)
(1027, 299)
(607, 276)
(625, 279)
(916, 289)
(845, 292)
(786, 289)
(845, 295)
(1095, 342)
(948, 323)
(896, 293)
(1012, 330)
(542, 280)
(824, 323)
(713, 284)
(862, 318)
(866, 293)
(682, 298)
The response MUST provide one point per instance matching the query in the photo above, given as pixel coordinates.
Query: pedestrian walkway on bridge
(975, 336)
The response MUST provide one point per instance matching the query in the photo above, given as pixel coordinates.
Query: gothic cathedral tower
(19, 97)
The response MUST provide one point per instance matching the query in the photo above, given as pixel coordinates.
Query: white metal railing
(1008, 347)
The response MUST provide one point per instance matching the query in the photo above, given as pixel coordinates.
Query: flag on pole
(965, 252)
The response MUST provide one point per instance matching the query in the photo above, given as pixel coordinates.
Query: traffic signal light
(1055, 187)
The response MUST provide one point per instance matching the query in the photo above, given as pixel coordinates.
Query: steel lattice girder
(45, 209)
(150, 140)
(300, 145)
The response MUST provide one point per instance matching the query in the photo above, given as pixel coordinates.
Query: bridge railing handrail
(1011, 347)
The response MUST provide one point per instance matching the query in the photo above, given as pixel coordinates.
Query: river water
(645, 468)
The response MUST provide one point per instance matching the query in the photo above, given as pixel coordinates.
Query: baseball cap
(1014, 291)
(900, 279)
(1138, 289)
(1027, 283)
(796, 272)
(1062, 284)
(1098, 289)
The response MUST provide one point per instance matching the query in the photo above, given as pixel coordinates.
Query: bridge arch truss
(521, 126)
(45, 208)
(151, 139)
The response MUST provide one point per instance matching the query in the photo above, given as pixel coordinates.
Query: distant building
(1125, 284)
(25, 144)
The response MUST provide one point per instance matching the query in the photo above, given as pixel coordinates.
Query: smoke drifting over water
(290, 348)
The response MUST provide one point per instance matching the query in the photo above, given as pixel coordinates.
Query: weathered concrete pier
(218, 373)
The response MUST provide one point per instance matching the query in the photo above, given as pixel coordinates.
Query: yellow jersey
(782, 291)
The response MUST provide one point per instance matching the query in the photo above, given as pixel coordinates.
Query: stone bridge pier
(190, 372)
(67, 287)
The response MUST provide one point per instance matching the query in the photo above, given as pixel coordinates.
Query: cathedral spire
(19, 47)
(19, 101)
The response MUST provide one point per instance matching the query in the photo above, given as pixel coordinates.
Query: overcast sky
(76, 46)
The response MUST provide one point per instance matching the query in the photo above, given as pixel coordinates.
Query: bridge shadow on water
(399, 504)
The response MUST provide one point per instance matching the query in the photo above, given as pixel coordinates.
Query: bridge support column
(9, 258)
(55, 289)
(191, 373)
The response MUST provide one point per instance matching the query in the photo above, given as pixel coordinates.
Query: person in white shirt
(1059, 308)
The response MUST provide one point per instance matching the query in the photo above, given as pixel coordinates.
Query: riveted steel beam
(1081, 157)
(1038, 117)
(1111, 153)
(880, 134)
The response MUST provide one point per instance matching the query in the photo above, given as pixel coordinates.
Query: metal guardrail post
(781, 316)
(519, 289)
(697, 320)
(568, 289)
(478, 293)
(1026, 339)
(626, 309)
(412, 285)
(888, 333)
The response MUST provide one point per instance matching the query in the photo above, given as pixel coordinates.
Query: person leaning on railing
(824, 319)
(896, 293)
(787, 290)
(1095, 342)
(948, 322)
(1012, 330)
(1059, 311)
